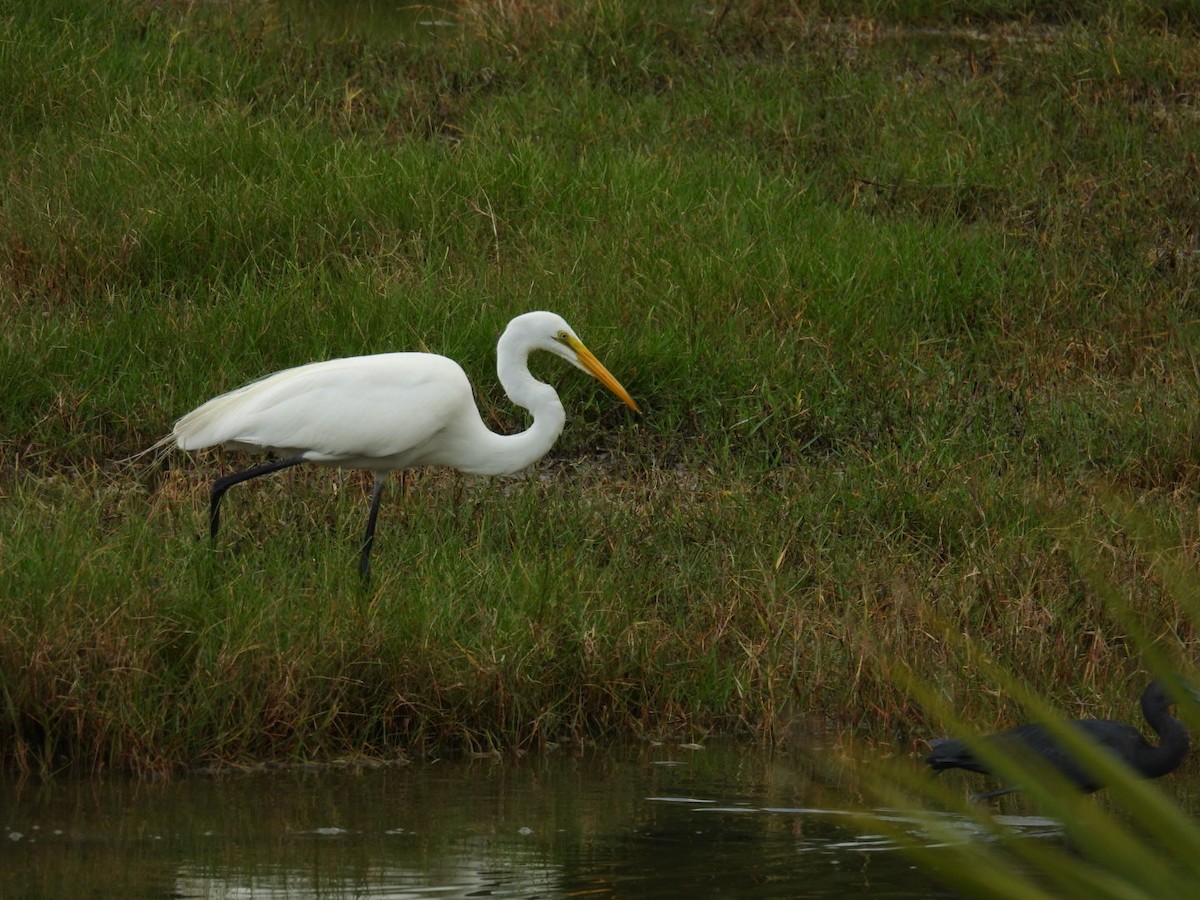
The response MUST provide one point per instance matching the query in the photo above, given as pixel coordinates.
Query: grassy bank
(905, 295)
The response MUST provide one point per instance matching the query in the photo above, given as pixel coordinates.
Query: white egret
(389, 412)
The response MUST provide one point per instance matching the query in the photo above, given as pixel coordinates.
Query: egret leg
(221, 485)
(364, 559)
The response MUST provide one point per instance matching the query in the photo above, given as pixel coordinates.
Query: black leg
(364, 559)
(221, 485)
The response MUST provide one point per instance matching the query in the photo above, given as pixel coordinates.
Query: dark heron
(1122, 740)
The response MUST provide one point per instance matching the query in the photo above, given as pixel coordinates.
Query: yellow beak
(594, 367)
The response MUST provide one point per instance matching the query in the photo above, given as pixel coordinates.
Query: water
(648, 822)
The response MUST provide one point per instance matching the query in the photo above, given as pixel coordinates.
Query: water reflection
(651, 822)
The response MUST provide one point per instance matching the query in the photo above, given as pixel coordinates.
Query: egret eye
(562, 336)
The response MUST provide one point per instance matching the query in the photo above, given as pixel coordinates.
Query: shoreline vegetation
(907, 293)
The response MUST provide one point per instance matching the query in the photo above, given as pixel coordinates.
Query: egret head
(548, 331)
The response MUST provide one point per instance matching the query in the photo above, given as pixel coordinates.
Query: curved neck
(512, 452)
(1172, 741)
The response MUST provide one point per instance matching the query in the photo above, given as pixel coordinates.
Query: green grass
(902, 289)
(1134, 839)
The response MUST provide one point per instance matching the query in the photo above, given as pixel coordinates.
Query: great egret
(391, 411)
(1122, 740)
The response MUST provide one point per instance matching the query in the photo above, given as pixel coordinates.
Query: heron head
(543, 330)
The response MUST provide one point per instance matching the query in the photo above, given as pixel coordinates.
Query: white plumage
(365, 412)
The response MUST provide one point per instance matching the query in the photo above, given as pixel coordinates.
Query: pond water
(647, 822)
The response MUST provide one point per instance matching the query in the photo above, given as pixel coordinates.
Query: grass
(1135, 839)
(905, 290)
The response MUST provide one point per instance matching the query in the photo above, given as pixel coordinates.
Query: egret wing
(367, 408)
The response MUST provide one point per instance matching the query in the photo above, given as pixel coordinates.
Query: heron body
(383, 413)
(390, 412)
(1122, 740)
